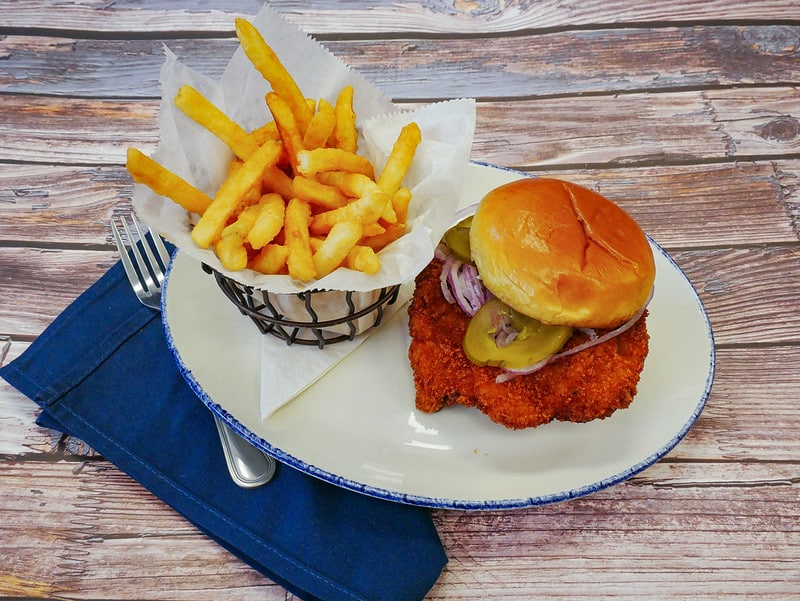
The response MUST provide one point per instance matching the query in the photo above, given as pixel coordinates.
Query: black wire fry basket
(304, 326)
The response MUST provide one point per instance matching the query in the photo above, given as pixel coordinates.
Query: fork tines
(146, 271)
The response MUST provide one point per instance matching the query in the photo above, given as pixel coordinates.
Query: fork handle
(249, 467)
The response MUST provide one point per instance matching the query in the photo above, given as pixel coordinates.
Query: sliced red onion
(504, 332)
(470, 273)
(465, 287)
(509, 374)
(460, 282)
(449, 260)
(441, 252)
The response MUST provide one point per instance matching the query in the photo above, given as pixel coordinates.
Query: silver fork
(248, 466)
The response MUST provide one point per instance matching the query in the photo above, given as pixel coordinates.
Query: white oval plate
(357, 427)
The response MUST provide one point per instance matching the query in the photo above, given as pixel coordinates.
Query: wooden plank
(750, 414)
(632, 541)
(61, 205)
(110, 539)
(58, 130)
(102, 68)
(632, 129)
(678, 206)
(635, 129)
(18, 413)
(601, 61)
(751, 129)
(436, 16)
(750, 293)
(44, 282)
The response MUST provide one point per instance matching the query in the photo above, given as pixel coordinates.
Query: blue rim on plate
(433, 501)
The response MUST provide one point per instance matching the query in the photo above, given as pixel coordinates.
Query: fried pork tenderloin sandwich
(535, 308)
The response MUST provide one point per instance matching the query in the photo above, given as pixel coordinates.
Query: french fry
(200, 109)
(268, 221)
(265, 133)
(366, 210)
(336, 246)
(345, 135)
(400, 201)
(230, 247)
(269, 65)
(363, 258)
(270, 260)
(296, 221)
(234, 165)
(400, 158)
(230, 194)
(310, 162)
(275, 180)
(373, 229)
(297, 198)
(145, 170)
(379, 241)
(319, 194)
(287, 127)
(243, 223)
(321, 126)
(254, 194)
(351, 184)
(315, 243)
(231, 252)
(356, 185)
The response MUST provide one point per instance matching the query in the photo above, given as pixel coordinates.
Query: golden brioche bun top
(561, 253)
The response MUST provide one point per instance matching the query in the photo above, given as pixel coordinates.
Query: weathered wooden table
(687, 113)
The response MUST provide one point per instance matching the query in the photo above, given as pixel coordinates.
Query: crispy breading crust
(588, 385)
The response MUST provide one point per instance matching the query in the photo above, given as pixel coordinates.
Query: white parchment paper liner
(186, 148)
(435, 180)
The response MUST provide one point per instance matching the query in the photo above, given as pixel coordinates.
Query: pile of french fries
(298, 199)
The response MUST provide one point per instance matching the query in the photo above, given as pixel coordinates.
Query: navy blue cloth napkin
(102, 372)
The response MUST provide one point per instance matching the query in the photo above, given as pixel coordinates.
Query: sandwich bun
(561, 253)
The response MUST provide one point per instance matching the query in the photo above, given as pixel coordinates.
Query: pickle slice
(535, 341)
(457, 240)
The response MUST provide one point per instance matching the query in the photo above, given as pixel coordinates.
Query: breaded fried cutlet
(587, 385)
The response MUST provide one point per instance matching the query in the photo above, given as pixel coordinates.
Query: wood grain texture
(49, 205)
(561, 550)
(750, 415)
(638, 129)
(528, 65)
(102, 514)
(350, 17)
(568, 551)
(686, 113)
(62, 205)
(44, 282)
(104, 524)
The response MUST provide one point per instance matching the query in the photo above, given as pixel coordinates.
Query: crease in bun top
(535, 308)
